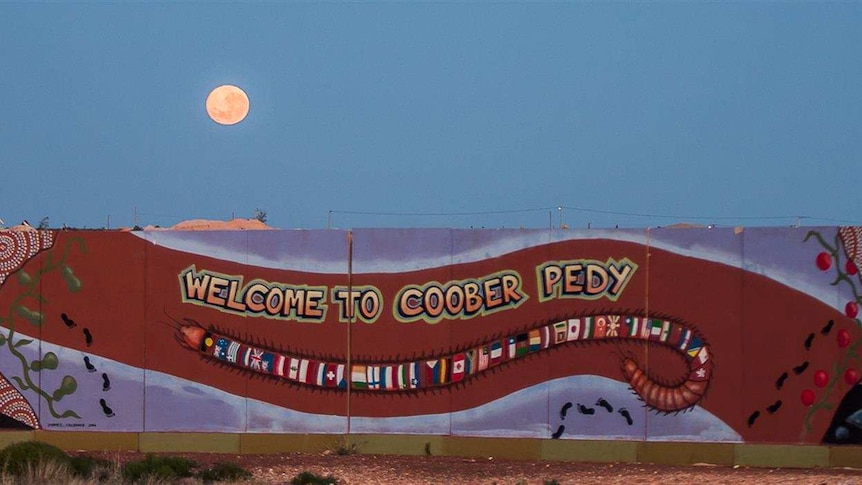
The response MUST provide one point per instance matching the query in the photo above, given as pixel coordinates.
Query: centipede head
(188, 333)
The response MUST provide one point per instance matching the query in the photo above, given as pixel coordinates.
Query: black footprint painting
(585, 410)
(799, 369)
(68, 321)
(774, 407)
(88, 364)
(780, 382)
(753, 418)
(808, 341)
(625, 413)
(603, 403)
(828, 328)
(564, 410)
(105, 409)
(88, 337)
(106, 383)
(559, 432)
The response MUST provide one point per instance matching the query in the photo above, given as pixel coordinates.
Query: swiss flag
(330, 375)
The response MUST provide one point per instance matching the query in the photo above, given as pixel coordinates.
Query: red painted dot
(824, 261)
(821, 378)
(850, 267)
(851, 309)
(851, 376)
(807, 397)
(843, 338)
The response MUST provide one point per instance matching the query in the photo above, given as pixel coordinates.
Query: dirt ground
(390, 469)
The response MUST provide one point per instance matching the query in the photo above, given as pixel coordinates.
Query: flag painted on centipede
(496, 353)
(484, 358)
(522, 345)
(535, 341)
(574, 329)
(561, 333)
(600, 330)
(293, 370)
(209, 342)
(278, 365)
(391, 378)
(665, 331)
(267, 361)
(415, 375)
(511, 348)
(684, 339)
(694, 346)
(658, 330)
(384, 377)
(341, 376)
(403, 376)
(303, 371)
(586, 328)
(373, 377)
(232, 350)
(358, 377)
(458, 367)
(432, 368)
(632, 326)
(614, 326)
(334, 375)
(547, 336)
(700, 374)
(220, 350)
(703, 355)
(471, 361)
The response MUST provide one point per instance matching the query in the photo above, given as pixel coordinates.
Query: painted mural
(717, 335)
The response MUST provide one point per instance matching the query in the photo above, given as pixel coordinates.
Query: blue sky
(493, 114)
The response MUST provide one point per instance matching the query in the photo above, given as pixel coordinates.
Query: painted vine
(21, 309)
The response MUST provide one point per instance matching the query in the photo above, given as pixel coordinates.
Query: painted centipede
(454, 368)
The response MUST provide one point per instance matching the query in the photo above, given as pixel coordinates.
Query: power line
(424, 214)
(594, 211)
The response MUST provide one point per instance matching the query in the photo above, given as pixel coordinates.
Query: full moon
(227, 105)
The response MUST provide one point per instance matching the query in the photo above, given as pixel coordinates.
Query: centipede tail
(664, 398)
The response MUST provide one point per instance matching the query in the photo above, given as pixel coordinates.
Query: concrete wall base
(595, 451)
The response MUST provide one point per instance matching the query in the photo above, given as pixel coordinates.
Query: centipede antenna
(176, 322)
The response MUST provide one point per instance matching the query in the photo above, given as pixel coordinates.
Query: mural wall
(717, 335)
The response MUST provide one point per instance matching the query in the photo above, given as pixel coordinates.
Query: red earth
(386, 469)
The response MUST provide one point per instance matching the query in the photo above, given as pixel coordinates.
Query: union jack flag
(255, 361)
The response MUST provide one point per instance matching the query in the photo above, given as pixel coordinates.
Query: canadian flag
(457, 367)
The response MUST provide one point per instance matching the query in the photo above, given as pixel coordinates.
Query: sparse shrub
(344, 447)
(223, 471)
(551, 482)
(89, 467)
(48, 471)
(19, 458)
(308, 478)
(159, 468)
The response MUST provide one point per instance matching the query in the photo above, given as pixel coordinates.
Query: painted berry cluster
(843, 369)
